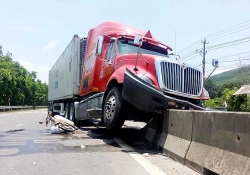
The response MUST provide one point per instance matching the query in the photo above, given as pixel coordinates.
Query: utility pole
(203, 52)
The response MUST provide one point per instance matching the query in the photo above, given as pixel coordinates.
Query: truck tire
(72, 112)
(50, 108)
(66, 114)
(114, 110)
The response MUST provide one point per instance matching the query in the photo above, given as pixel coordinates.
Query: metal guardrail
(10, 108)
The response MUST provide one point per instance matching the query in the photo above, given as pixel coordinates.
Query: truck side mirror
(215, 63)
(99, 45)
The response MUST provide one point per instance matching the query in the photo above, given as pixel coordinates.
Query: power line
(218, 46)
(219, 33)
(229, 34)
(191, 58)
(228, 29)
(228, 61)
(231, 55)
(209, 48)
(227, 45)
(230, 66)
(231, 30)
(225, 68)
(189, 47)
(188, 55)
(234, 41)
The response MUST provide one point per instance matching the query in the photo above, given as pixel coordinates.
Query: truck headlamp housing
(204, 95)
(146, 79)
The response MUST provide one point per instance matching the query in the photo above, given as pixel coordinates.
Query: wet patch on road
(85, 139)
(42, 141)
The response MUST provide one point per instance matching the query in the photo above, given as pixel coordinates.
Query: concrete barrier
(220, 142)
(211, 141)
(177, 129)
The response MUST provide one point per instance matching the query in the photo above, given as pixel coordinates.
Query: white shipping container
(64, 76)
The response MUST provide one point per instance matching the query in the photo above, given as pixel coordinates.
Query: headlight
(146, 79)
(206, 94)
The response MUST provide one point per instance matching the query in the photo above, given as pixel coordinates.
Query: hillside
(238, 76)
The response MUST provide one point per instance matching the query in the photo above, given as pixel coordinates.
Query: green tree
(211, 87)
(1, 52)
(228, 85)
(235, 102)
(18, 86)
(214, 103)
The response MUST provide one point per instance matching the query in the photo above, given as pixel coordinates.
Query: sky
(37, 32)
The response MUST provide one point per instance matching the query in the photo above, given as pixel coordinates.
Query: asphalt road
(28, 147)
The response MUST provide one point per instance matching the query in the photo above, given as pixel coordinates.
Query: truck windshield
(126, 46)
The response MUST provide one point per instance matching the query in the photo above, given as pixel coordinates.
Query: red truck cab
(127, 74)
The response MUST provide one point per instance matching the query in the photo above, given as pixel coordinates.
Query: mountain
(239, 77)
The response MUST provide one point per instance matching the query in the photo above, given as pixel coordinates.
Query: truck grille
(185, 80)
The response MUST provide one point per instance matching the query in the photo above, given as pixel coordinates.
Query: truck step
(95, 112)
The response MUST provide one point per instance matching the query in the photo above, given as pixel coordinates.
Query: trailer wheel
(72, 112)
(66, 114)
(114, 110)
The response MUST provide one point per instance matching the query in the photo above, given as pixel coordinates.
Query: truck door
(107, 65)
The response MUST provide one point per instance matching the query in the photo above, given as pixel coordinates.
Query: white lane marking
(146, 164)
(19, 125)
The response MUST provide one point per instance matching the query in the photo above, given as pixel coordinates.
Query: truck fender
(116, 78)
(118, 75)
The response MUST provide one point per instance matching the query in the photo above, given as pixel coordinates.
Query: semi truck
(117, 73)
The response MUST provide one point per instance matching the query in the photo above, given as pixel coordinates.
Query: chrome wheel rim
(110, 107)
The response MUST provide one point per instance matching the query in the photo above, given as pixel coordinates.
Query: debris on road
(60, 124)
(56, 130)
(82, 146)
(34, 163)
(145, 155)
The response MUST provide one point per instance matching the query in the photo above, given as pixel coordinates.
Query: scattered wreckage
(60, 124)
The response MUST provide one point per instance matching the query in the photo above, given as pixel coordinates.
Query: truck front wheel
(114, 110)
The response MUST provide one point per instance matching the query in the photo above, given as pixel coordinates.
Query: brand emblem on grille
(183, 65)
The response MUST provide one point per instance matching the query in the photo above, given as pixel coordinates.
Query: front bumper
(147, 98)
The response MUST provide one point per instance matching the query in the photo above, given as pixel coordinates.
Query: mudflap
(146, 97)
